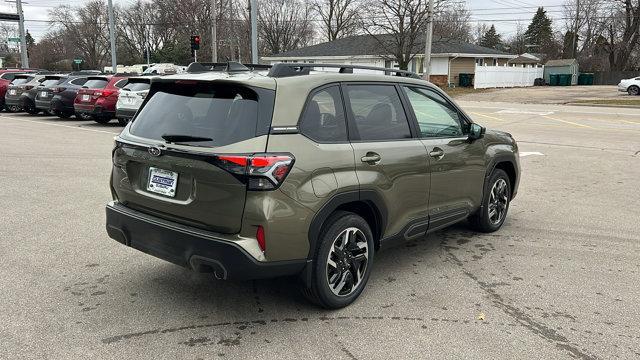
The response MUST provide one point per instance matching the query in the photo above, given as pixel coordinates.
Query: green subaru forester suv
(305, 170)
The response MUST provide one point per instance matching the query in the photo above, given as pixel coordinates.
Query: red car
(98, 97)
(6, 76)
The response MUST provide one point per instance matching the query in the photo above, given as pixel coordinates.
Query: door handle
(371, 158)
(436, 153)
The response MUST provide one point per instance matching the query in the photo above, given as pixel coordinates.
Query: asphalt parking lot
(559, 280)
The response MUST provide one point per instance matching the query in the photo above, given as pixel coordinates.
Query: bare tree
(452, 23)
(284, 25)
(87, 28)
(339, 18)
(398, 27)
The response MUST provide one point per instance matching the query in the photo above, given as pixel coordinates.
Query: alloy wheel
(347, 261)
(498, 201)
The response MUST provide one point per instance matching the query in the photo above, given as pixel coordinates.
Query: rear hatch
(92, 90)
(45, 89)
(179, 158)
(133, 94)
(18, 86)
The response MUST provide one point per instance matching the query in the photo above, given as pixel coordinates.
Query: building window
(479, 61)
(495, 62)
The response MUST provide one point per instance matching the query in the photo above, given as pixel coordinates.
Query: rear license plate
(162, 182)
(86, 97)
(44, 94)
(12, 92)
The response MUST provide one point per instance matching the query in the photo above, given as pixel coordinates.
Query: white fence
(506, 76)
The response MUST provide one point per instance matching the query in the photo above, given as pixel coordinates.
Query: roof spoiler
(298, 69)
(229, 67)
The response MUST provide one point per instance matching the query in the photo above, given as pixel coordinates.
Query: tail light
(57, 89)
(263, 171)
(104, 93)
(28, 87)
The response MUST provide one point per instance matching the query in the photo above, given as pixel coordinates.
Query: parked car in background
(6, 77)
(164, 69)
(20, 84)
(131, 97)
(41, 94)
(98, 97)
(630, 86)
(64, 94)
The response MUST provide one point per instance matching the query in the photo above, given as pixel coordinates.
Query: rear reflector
(262, 242)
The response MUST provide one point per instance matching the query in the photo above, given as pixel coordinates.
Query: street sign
(77, 61)
(15, 39)
(9, 17)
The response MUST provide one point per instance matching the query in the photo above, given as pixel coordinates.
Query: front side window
(378, 112)
(435, 116)
(323, 119)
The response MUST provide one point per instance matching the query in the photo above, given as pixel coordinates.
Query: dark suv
(301, 172)
(58, 98)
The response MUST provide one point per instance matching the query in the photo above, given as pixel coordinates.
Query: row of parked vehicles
(89, 95)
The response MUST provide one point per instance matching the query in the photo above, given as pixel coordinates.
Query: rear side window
(323, 119)
(225, 114)
(8, 76)
(120, 83)
(137, 86)
(96, 83)
(378, 112)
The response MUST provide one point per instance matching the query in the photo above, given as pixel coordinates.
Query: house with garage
(449, 58)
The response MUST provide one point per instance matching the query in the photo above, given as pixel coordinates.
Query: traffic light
(195, 42)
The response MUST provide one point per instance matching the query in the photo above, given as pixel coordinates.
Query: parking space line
(630, 122)
(568, 122)
(60, 125)
(487, 116)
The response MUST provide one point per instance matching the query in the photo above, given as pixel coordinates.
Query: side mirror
(476, 131)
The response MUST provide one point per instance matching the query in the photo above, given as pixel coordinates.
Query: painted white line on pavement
(525, 112)
(610, 112)
(530, 153)
(60, 125)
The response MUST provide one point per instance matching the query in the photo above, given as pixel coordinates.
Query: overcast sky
(502, 13)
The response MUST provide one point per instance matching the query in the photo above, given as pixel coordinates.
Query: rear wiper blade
(174, 138)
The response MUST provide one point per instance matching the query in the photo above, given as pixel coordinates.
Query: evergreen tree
(567, 45)
(491, 38)
(539, 31)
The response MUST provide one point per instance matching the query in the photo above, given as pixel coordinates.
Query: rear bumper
(190, 247)
(13, 101)
(57, 104)
(122, 113)
(92, 110)
(43, 104)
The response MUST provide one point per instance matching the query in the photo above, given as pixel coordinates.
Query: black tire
(319, 291)
(633, 90)
(84, 116)
(483, 220)
(101, 119)
(63, 114)
(30, 108)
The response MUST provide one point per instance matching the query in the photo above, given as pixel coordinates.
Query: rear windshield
(224, 114)
(50, 82)
(20, 80)
(96, 83)
(137, 86)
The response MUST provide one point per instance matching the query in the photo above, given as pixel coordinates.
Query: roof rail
(297, 69)
(231, 66)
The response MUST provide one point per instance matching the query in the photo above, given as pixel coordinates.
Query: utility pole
(253, 4)
(574, 48)
(214, 32)
(429, 38)
(112, 35)
(24, 56)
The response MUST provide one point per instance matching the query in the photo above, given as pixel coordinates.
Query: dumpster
(466, 80)
(554, 79)
(585, 79)
(564, 79)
